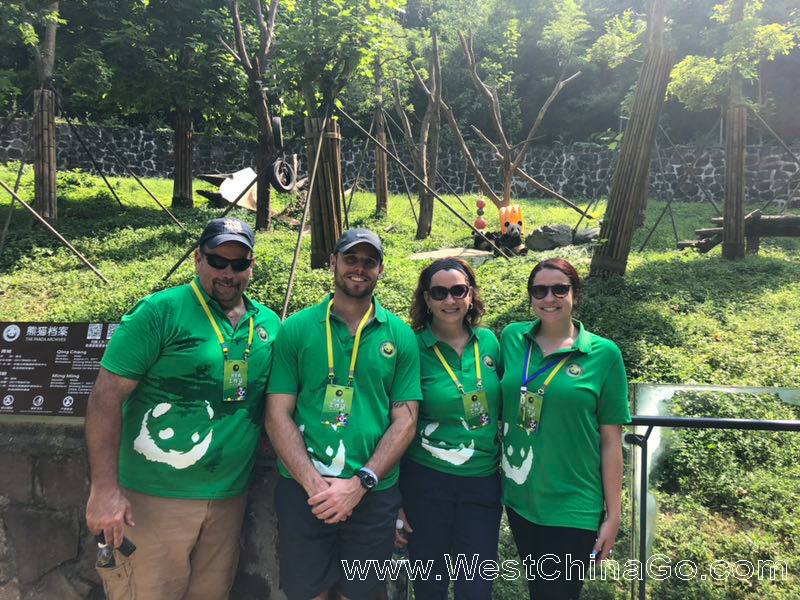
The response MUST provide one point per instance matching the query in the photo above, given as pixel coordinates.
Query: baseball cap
(227, 229)
(359, 235)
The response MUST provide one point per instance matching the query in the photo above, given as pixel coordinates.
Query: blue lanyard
(525, 379)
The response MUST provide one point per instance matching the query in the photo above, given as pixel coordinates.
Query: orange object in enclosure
(511, 214)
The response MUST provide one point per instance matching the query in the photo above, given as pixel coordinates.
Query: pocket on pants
(118, 581)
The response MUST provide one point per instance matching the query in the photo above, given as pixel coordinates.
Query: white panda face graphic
(164, 437)
(516, 462)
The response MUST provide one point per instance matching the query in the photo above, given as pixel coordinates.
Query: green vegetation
(139, 62)
(678, 317)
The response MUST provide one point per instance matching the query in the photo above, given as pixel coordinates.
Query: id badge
(530, 410)
(338, 402)
(234, 384)
(476, 409)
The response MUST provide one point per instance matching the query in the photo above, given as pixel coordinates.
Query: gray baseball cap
(227, 229)
(359, 235)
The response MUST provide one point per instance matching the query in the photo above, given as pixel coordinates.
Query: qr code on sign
(95, 331)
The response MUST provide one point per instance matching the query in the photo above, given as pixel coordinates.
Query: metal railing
(641, 440)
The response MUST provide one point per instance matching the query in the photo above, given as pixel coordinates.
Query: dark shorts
(311, 552)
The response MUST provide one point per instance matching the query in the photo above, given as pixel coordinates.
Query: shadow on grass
(91, 221)
(644, 308)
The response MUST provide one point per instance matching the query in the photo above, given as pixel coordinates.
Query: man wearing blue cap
(173, 423)
(341, 410)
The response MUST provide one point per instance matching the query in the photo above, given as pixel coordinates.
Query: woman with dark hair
(565, 397)
(449, 477)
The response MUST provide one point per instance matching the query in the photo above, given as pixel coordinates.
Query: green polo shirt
(179, 438)
(387, 371)
(443, 441)
(553, 477)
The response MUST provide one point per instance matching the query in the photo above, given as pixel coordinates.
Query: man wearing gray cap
(173, 423)
(341, 410)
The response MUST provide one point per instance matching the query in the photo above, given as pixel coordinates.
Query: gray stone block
(10, 591)
(16, 481)
(56, 585)
(64, 483)
(40, 540)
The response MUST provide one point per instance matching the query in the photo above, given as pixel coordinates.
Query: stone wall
(148, 154)
(575, 171)
(47, 553)
(584, 171)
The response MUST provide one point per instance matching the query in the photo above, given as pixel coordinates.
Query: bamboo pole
(402, 173)
(357, 179)
(422, 183)
(130, 172)
(292, 271)
(633, 166)
(44, 154)
(79, 137)
(733, 246)
(52, 230)
(439, 175)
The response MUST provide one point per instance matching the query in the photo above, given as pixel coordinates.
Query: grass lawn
(679, 317)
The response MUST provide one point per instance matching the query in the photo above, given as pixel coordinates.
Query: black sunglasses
(220, 263)
(560, 290)
(439, 292)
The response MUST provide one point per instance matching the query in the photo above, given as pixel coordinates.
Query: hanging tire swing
(282, 176)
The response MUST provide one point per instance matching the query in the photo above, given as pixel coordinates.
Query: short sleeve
(613, 408)
(285, 375)
(406, 383)
(137, 342)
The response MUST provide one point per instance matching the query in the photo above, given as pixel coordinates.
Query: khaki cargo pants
(185, 549)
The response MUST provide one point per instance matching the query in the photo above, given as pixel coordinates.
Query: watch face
(367, 480)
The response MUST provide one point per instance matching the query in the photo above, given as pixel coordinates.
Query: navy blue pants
(451, 515)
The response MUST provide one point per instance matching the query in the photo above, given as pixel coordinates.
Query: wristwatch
(368, 478)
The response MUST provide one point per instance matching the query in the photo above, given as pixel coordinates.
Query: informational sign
(49, 369)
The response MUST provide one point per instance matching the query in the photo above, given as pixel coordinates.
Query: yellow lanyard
(453, 375)
(354, 355)
(217, 330)
(549, 377)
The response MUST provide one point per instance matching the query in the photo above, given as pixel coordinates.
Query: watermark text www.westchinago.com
(549, 567)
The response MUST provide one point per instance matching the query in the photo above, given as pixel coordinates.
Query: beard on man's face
(351, 288)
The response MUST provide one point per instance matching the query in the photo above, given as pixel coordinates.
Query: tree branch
(271, 16)
(489, 93)
(406, 126)
(558, 87)
(420, 81)
(233, 5)
(230, 50)
(482, 183)
(486, 140)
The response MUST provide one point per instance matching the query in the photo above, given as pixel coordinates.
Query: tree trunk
(44, 154)
(381, 167)
(736, 138)
(426, 204)
(182, 178)
(381, 159)
(327, 196)
(265, 154)
(44, 127)
(429, 141)
(633, 167)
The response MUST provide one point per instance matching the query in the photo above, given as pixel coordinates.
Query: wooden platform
(465, 253)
